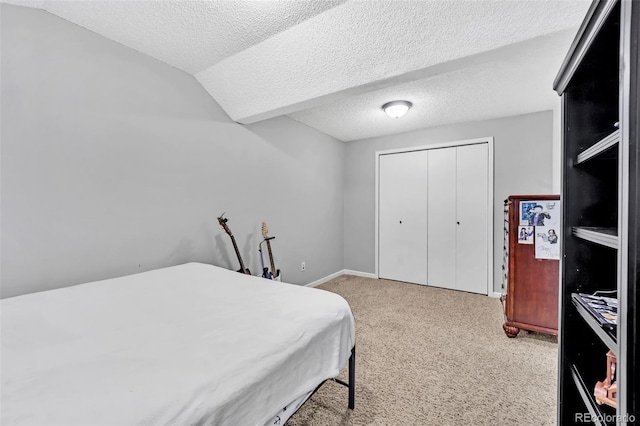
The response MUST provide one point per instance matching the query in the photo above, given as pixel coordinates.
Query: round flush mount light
(396, 109)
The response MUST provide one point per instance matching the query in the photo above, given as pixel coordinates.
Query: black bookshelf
(599, 86)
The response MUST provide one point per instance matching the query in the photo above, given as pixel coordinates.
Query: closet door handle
(458, 223)
(400, 222)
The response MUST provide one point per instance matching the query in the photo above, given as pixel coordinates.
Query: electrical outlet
(303, 266)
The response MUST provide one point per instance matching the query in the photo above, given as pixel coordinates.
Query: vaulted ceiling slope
(329, 63)
(192, 35)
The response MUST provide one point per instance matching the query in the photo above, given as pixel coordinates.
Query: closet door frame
(486, 140)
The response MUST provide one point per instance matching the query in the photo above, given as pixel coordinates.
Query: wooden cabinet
(531, 301)
(599, 85)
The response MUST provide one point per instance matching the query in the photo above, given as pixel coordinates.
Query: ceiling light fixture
(396, 109)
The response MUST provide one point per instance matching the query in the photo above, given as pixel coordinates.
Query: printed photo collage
(540, 225)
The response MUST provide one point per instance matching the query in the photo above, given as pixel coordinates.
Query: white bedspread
(190, 344)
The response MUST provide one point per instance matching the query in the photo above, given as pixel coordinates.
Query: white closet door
(441, 264)
(402, 219)
(472, 229)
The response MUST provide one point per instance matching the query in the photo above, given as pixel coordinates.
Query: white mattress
(190, 344)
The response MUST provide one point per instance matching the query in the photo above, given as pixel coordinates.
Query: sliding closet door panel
(390, 209)
(441, 241)
(402, 217)
(472, 217)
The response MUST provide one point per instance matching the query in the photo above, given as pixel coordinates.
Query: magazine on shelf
(603, 309)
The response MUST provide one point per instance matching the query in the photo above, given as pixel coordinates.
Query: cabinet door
(472, 175)
(441, 264)
(402, 220)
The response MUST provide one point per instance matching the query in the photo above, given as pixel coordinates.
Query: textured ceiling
(512, 80)
(331, 64)
(191, 35)
(345, 49)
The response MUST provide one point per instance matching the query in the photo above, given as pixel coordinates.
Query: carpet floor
(430, 356)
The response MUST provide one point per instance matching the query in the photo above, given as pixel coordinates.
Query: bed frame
(351, 385)
(352, 379)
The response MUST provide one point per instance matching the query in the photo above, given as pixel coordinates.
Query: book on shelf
(603, 309)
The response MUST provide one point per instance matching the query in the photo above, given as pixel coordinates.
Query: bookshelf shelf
(607, 237)
(608, 337)
(599, 147)
(596, 413)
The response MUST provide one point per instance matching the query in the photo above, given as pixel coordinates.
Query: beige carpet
(429, 356)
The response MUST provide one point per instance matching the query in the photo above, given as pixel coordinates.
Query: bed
(189, 344)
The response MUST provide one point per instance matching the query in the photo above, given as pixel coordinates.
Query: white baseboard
(495, 294)
(359, 274)
(338, 274)
(325, 279)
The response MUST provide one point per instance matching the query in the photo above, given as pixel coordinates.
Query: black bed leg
(352, 379)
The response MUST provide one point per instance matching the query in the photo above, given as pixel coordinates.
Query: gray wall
(114, 163)
(522, 162)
